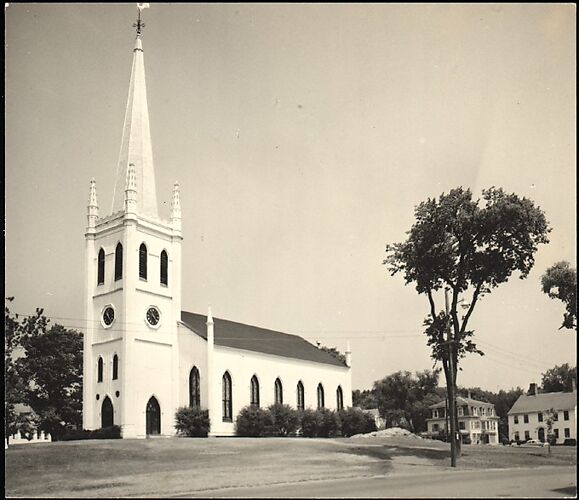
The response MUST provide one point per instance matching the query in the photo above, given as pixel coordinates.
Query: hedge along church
(143, 356)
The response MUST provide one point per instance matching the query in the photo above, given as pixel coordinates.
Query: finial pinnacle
(140, 24)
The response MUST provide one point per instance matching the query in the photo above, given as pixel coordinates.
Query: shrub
(330, 423)
(253, 422)
(113, 432)
(284, 420)
(355, 421)
(192, 421)
(311, 422)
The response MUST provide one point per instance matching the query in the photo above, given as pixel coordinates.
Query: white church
(144, 357)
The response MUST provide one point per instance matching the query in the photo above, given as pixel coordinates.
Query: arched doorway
(541, 434)
(107, 413)
(153, 417)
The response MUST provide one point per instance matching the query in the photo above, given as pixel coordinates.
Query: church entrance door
(153, 417)
(107, 414)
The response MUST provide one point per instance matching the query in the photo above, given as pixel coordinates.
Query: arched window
(164, 268)
(254, 396)
(143, 261)
(339, 399)
(194, 388)
(100, 367)
(320, 395)
(119, 262)
(101, 267)
(278, 392)
(300, 405)
(115, 367)
(227, 406)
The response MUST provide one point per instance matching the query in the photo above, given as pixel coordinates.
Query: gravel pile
(392, 432)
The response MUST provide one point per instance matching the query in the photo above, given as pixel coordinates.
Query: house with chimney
(477, 421)
(529, 416)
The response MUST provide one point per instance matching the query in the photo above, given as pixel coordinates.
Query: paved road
(525, 482)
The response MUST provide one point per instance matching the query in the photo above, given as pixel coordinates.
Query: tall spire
(93, 206)
(136, 146)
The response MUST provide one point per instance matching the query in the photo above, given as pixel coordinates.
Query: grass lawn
(161, 467)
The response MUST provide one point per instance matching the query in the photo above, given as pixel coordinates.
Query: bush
(113, 432)
(320, 423)
(192, 421)
(284, 420)
(310, 422)
(570, 442)
(253, 422)
(355, 421)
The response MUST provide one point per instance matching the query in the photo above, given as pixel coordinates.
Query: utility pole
(451, 391)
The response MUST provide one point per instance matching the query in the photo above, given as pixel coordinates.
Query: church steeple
(136, 146)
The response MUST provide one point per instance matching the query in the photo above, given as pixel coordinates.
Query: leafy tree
(355, 421)
(13, 382)
(284, 420)
(559, 379)
(192, 421)
(365, 399)
(404, 399)
(334, 352)
(456, 244)
(52, 367)
(560, 282)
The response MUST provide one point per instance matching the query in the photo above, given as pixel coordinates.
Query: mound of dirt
(391, 432)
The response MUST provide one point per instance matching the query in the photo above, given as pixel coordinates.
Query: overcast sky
(302, 136)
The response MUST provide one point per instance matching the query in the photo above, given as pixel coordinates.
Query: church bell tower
(133, 287)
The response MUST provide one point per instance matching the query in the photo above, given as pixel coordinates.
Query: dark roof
(461, 401)
(545, 401)
(252, 338)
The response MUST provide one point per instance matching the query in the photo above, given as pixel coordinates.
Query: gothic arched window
(339, 399)
(100, 369)
(320, 395)
(254, 396)
(278, 392)
(115, 367)
(300, 391)
(227, 404)
(119, 262)
(194, 388)
(164, 268)
(101, 267)
(143, 261)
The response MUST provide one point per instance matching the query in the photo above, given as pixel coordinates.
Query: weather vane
(140, 24)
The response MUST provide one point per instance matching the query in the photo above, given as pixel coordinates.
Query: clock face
(153, 316)
(108, 316)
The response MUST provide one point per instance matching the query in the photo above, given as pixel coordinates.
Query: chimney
(532, 389)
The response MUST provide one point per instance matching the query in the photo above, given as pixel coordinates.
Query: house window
(320, 396)
(434, 413)
(567, 432)
(527, 435)
(517, 436)
(460, 411)
(227, 406)
(339, 399)
(115, 367)
(461, 426)
(475, 411)
(164, 268)
(143, 261)
(555, 417)
(254, 396)
(526, 419)
(540, 416)
(194, 388)
(516, 419)
(101, 267)
(100, 368)
(566, 416)
(119, 262)
(300, 394)
(278, 392)
(556, 432)
(434, 427)
(482, 411)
